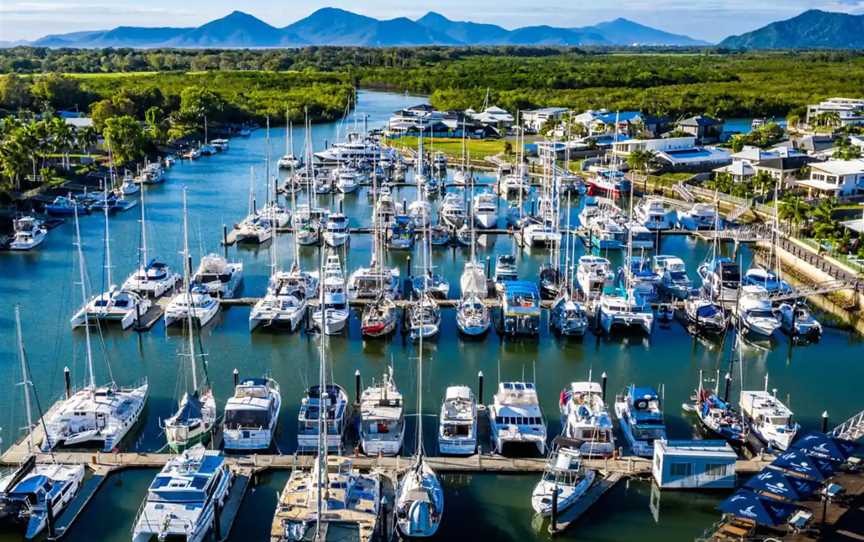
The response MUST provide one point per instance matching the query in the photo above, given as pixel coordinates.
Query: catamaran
(419, 505)
(102, 414)
(515, 417)
(182, 500)
(586, 419)
(382, 419)
(251, 415)
(219, 277)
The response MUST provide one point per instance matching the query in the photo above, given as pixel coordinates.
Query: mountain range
(331, 26)
(813, 29)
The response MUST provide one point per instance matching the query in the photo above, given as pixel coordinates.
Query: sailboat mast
(143, 231)
(186, 272)
(107, 236)
(289, 138)
(25, 378)
(420, 399)
(81, 274)
(322, 418)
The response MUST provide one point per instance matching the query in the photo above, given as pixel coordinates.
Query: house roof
(699, 120)
(740, 168)
(840, 167)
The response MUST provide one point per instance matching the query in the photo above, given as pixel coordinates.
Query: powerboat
(644, 280)
(505, 270)
(29, 233)
(486, 210)
(721, 278)
(66, 206)
(708, 316)
(641, 238)
(797, 320)
(336, 232)
(515, 417)
(335, 405)
(520, 308)
(594, 275)
(457, 426)
(673, 276)
(607, 233)
(27, 493)
(219, 277)
(452, 212)
(198, 302)
(766, 279)
(655, 215)
(640, 417)
(473, 317)
(183, 499)
(701, 216)
(347, 179)
(400, 234)
(420, 212)
(539, 233)
(755, 312)
(567, 317)
(439, 236)
(768, 418)
(564, 475)
(382, 419)
(586, 420)
(332, 315)
(251, 415)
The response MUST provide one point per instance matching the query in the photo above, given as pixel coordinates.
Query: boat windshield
(237, 419)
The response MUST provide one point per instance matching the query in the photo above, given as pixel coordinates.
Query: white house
(624, 148)
(677, 153)
(693, 464)
(835, 178)
(849, 110)
(535, 119)
(780, 162)
(494, 116)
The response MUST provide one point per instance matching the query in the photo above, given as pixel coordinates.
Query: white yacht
(654, 214)
(370, 282)
(607, 233)
(473, 317)
(594, 274)
(251, 415)
(563, 474)
(457, 426)
(420, 212)
(472, 282)
(197, 302)
(182, 500)
(640, 417)
(331, 316)
(755, 312)
(335, 415)
(220, 277)
(336, 232)
(515, 417)
(767, 279)
(486, 210)
(27, 492)
(798, 321)
(585, 418)
(347, 179)
(277, 215)
(641, 238)
(424, 318)
(673, 276)
(721, 278)
(625, 309)
(29, 232)
(768, 418)
(285, 302)
(382, 418)
(505, 270)
(93, 414)
(539, 234)
(452, 212)
(152, 278)
(701, 216)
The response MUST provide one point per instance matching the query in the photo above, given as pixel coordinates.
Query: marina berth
(586, 420)
(382, 418)
(182, 500)
(251, 415)
(516, 419)
(457, 425)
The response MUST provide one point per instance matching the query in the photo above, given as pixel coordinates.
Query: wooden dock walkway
(572, 514)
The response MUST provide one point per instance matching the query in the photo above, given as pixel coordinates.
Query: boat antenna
(81, 275)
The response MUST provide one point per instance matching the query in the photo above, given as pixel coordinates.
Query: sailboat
(152, 278)
(115, 304)
(419, 495)
(332, 495)
(196, 413)
(102, 414)
(289, 161)
(34, 493)
(473, 279)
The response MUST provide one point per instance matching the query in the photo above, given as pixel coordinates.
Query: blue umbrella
(791, 488)
(824, 447)
(800, 463)
(764, 511)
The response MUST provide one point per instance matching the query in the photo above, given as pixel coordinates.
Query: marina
(518, 352)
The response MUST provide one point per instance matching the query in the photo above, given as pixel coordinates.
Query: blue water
(814, 378)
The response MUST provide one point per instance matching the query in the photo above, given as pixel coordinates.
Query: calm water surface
(814, 378)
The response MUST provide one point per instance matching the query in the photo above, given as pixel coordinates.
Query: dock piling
(554, 519)
(236, 375)
(824, 421)
(728, 388)
(603, 384)
(357, 387)
(480, 387)
(67, 379)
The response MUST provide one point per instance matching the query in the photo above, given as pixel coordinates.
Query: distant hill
(331, 26)
(813, 29)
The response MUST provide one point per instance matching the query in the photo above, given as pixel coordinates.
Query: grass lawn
(478, 149)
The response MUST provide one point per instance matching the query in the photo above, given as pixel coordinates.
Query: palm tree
(793, 209)
(640, 161)
(824, 225)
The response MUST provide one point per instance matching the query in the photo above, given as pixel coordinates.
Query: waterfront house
(493, 116)
(740, 171)
(842, 111)
(694, 464)
(535, 119)
(675, 153)
(835, 178)
(781, 163)
(631, 123)
(703, 128)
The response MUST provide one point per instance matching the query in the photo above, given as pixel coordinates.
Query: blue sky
(705, 19)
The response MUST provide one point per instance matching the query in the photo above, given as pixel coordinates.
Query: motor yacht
(452, 212)
(66, 206)
(797, 320)
(28, 233)
(721, 278)
(332, 315)
(564, 475)
(594, 275)
(701, 216)
(219, 277)
(382, 419)
(520, 308)
(457, 426)
(26, 494)
(654, 214)
(336, 232)
(755, 312)
(335, 415)
(567, 317)
(768, 418)
(251, 415)
(585, 419)
(485, 210)
(400, 234)
(766, 279)
(673, 276)
(640, 417)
